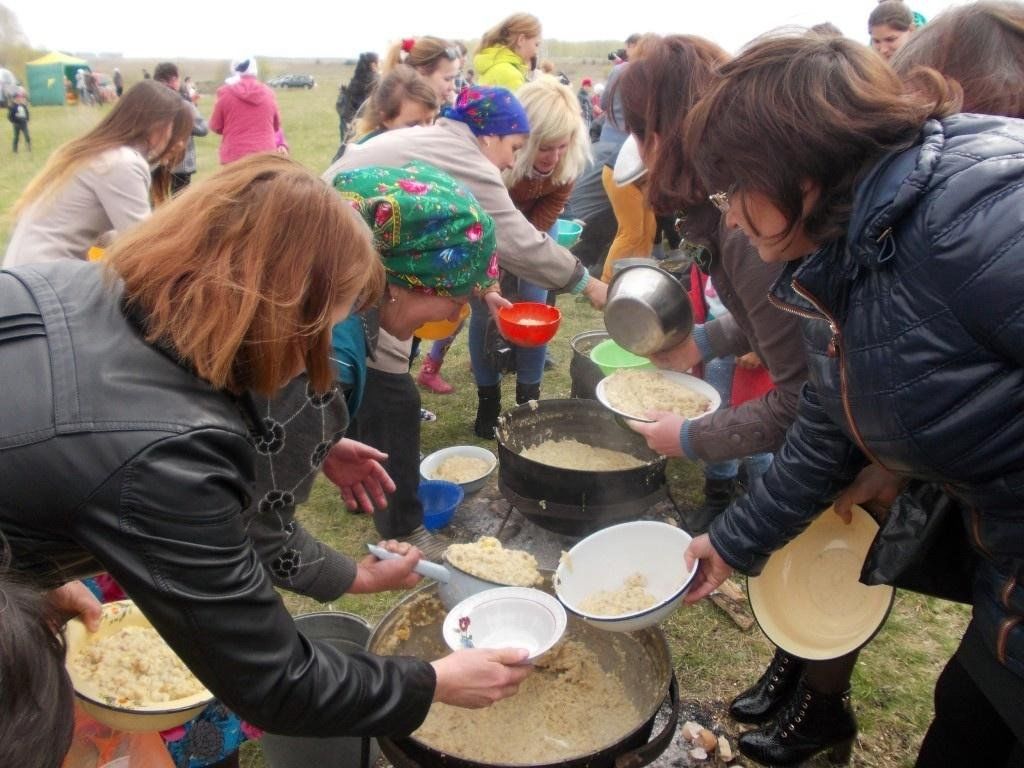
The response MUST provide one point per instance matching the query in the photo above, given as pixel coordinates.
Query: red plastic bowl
(529, 323)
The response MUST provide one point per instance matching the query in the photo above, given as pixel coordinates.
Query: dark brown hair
(36, 699)
(891, 13)
(658, 90)
(981, 46)
(173, 154)
(242, 273)
(793, 111)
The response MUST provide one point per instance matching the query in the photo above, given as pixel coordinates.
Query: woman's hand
(662, 434)
(750, 361)
(682, 357)
(875, 489)
(596, 292)
(75, 599)
(355, 468)
(373, 575)
(495, 301)
(478, 677)
(713, 569)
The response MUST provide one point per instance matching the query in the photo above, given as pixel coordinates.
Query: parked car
(292, 81)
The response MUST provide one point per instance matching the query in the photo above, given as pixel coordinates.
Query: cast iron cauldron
(409, 629)
(570, 501)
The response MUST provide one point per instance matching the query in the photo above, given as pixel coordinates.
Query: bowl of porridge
(633, 394)
(125, 675)
(529, 323)
(466, 465)
(626, 577)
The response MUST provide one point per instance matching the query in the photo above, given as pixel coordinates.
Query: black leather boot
(527, 392)
(717, 495)
(763, 699)
(487, 409)
(810, 723)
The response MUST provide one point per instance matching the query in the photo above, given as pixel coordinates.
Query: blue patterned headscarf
(431, 233)
(489, 111)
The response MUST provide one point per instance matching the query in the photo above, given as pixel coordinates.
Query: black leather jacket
(115, 457)
(914, 330)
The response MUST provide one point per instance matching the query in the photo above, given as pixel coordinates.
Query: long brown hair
(143, 107)
(793, 111)
(657, 92)
(173, 154)
(401, 84)
(424, 54)
(507, 31)
(981, 46)
(242, 272)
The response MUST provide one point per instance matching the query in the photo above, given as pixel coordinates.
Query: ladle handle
(423, 567)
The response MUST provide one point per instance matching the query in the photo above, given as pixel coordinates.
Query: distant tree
(14, 47)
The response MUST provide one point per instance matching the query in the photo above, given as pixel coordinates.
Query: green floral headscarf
(431, 233)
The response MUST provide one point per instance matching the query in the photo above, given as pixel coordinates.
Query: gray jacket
(199, 128)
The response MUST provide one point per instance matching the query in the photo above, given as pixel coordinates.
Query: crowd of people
(853, 256)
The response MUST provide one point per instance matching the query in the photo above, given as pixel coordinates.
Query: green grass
(714, 660)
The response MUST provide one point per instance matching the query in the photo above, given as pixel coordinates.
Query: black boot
(487, 409)
(810, 723)
(527, 392)
(717, 495)
(762, 700)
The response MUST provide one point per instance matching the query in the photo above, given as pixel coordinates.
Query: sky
(343, 28)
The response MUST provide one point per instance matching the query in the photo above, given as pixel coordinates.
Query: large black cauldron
(570, 501)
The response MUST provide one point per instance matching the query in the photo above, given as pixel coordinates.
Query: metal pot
(408, 629)
(582, 370)
(572, 501)
(648, 310)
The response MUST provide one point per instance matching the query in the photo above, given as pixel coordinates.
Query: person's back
(246, 117)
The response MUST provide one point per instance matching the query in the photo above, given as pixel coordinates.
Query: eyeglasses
(721, 199)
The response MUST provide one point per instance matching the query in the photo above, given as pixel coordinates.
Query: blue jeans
(529, 360)
(718, 373)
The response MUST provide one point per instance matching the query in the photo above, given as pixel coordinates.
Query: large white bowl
(152, 717)
(604, 560)
(699, 386)
(809, 600)
(430, 464)
(506, 617)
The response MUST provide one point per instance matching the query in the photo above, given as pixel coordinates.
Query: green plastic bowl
(567, 232)
(610, 357)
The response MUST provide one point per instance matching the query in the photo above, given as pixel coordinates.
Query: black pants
(18, 130)
(967, 730)
(389, 420)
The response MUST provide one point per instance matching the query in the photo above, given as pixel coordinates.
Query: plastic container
(436, 330)
(568, 232)
(529, 323)
(346, 632)
(610, 357)
(440, 500)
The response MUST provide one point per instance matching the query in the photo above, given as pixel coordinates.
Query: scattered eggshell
(724, 750)
(691, 730)
(707, 740)
(698, 753)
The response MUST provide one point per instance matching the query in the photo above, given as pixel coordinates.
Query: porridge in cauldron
(487, 559)
(572, 454)
(637, 392)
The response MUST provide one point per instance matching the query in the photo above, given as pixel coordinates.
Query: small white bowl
(506, 617)
(605, 559)
(431, 463)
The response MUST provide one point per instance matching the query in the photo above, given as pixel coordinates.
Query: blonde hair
(506, 32)
(554, 113)
(143, 107)
(243, 273)
(402, 84)
(424, 54)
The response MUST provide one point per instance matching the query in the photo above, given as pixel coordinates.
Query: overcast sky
(343, 28)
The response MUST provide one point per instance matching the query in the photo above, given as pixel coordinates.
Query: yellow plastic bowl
(808, 599)
(155, 717)
(441, 329)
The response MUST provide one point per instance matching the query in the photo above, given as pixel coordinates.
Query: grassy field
(714, 660)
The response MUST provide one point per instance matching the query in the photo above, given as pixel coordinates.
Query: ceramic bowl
(430, 465)
(153, 717)
(808, 598)
(691, 382)
(506, 617)
(647, 310)
(605, 559)
(529, 323)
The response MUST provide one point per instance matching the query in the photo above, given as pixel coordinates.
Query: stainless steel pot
(410, 629)
(648, 310)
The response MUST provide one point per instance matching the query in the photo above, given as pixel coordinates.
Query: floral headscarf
(489, 111)
(431, 233)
